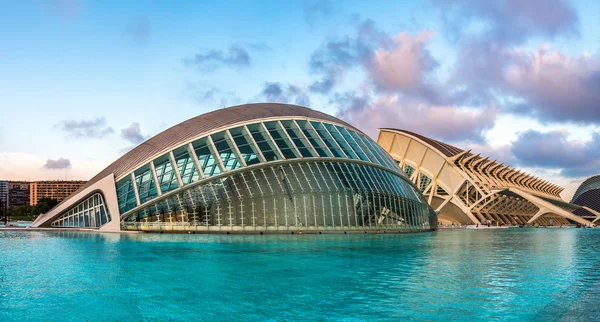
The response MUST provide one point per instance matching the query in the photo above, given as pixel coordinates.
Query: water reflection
(509, 274)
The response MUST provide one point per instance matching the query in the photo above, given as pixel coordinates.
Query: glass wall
(89, 213)
(165, 174)
(248, 145)
(307, 196)
(126, 195)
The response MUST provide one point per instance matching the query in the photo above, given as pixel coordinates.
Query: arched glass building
(588, 196)
(251, 168)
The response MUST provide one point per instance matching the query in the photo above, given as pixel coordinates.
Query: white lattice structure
(467, 188)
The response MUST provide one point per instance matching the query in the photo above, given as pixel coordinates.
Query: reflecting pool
(504, 274)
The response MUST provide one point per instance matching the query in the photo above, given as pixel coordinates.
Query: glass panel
(313, 138)
(284, 144)
(226, 151)
(206, 157)
(353, 144)
(165, 174)
(324, 134)
(125, 195)
(408, 170)
(145, 184)
(266, 146)
(245, 146)
(186, 166)
(424, 182)
(298, 196)
(341, 141)
(298, 138)
(82, 216)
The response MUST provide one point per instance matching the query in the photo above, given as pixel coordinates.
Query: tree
(44, 205)
(21, 211)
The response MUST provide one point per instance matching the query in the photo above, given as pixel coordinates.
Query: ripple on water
(508, 274)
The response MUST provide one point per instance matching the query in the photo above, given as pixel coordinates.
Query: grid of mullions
(89, 213)
(304, 195)
(248, 145)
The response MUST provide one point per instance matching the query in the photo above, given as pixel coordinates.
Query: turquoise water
(505, 274)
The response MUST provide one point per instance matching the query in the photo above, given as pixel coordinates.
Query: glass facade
(165, 174)
(364, 187)
(89, 213)
(295, 196)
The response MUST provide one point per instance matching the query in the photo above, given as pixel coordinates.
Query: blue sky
(82, 82)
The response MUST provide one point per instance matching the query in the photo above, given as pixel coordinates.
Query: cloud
(30, 167)
(501, 153)
(543, 83)
(282, 93)
(95, 128)
(331, 61)
(236, 56)
(507, 21)
(58, 164)
(140, 29)
(557, 87)
(403, 67)
(133, 134)
(447, 123)
(554, 150)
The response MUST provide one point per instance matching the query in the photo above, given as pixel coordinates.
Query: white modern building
(468, 188)
(252, 169)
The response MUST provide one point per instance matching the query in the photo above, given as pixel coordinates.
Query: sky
(82, 82)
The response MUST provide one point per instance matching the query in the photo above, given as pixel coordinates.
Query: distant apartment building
(58, 190)
(3, 193)
(18, 193)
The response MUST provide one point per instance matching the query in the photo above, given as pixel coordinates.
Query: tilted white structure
(468, 188)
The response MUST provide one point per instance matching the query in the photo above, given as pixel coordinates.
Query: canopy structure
(468, 188)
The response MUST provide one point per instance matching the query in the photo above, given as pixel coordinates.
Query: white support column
(214, 150)
(156, 184)
(175, 168)
(264, 127)
(192, 153)
(235, 147)
(290, 139)
(444, 203)
(135, 189)
(335, 141)
(306, 139)
(540, 212)
(260, 155)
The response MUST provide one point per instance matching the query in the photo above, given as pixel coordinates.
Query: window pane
(266, 146)
(206, 157)
(341, 141)
(324, 134)
(351, 141)
(165, 174)
(313, 138)
(125, 195)
(145, 183)
(284, 144)
(82, 216)
(245, 146)
(298, 138)
(226, 151)
(186, 166)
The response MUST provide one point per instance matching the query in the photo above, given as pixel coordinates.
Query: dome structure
(250, 168)
(588, 196)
